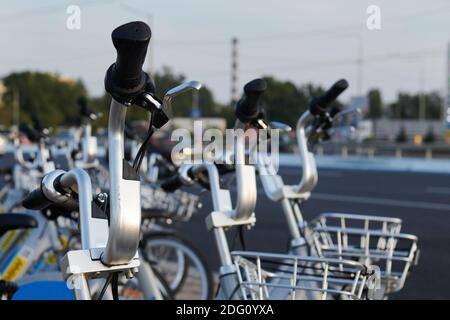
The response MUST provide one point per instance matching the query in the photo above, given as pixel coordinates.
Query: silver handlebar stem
(79, 181)
(245, 180)
(125, 217)
(309, 168)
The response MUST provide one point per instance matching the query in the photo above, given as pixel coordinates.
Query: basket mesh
(264, 276)
(370, 240)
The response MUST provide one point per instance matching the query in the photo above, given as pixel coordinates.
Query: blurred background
(394, 163)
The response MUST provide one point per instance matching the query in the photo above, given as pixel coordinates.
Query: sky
(315, 41)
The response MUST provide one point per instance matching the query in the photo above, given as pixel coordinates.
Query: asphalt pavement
(421, 200)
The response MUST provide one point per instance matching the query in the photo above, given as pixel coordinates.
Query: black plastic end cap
(125, 78)
(36, 200)
(319, 105)
(82, 102)
(256, 86)
(247, 107)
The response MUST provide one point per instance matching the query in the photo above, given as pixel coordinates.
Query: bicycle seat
(13, 221)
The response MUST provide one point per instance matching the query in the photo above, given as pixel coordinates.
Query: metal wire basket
(178, 205)
(370, 240)
(263, 276)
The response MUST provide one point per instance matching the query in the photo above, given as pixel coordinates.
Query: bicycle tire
(188, 246)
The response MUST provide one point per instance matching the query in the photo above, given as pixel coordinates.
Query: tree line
(54, 99)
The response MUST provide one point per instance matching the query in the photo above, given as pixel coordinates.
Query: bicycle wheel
(131, 290)
(180, 263)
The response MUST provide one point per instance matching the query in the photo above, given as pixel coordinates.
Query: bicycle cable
(143, 148)
(105, 286)
(115, 285)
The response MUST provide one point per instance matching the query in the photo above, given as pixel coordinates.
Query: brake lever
(153, 104)
(341, 114)
(162, 109)
(342, 130)
(262, 123)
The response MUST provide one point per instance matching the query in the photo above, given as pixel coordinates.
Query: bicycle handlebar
(173, 183)
(36, 200)
(125, 79)
(50, 192)
(192, 174)
(85, 112)
(247, 107)
(32, 134)
(320, 104)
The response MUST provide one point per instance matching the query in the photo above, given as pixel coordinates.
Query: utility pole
(422, 96)
(447, 98)
(234, 70)
(360, 64)
(16, 112)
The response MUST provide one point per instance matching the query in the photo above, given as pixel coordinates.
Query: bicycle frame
(114, 247)
(303, 237)
(291, 196)
(88, 148)
(224, 215)
(25, 251)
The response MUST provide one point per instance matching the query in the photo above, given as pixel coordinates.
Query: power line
(308, 33)
(412, 55)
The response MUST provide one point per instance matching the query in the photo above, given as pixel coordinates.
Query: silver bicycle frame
(125, 217)
(106, 249)
(225, 216)
(88, 148)
(28, 247)
(289, 196)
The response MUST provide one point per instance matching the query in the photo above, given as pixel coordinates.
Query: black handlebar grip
(131, 41)
(36, 200)
(320, 104)
(6, 170)
(247, 107)
(37, 124)
(82, 103)
(125, 78)
(225, 168)
(29, 132)
(171, 184)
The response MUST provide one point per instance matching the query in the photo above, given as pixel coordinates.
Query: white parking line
(438, 190)
(322, 173)
(372, 201)
(382, 201)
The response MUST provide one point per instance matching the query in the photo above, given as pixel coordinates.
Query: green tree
(49, 96)
(375, 107)
(407, 106)
(375, 104)
(283, 101)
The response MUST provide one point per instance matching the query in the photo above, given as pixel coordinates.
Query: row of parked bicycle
(77, 225)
